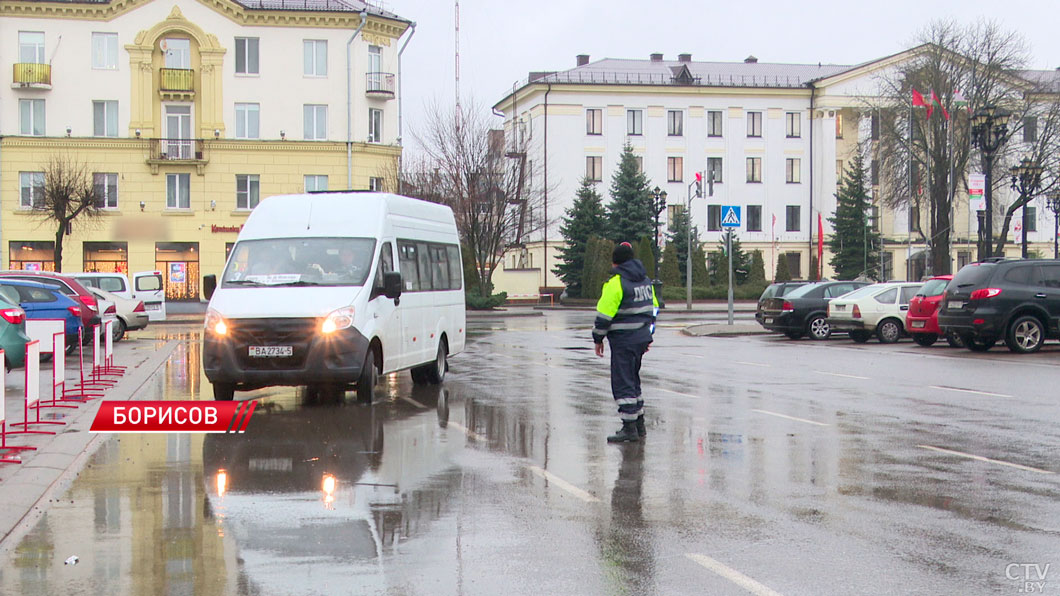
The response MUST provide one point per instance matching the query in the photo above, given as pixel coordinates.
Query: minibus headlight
(215, 323)
(338, 319)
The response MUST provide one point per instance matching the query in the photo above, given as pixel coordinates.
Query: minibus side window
(423, 258)
(386, 264)
(407, 260)
(455, 272)
(439, 268)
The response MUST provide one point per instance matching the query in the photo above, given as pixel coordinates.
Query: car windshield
(299, 262)
(933, 287)
(800, 291)
(973, 275)
(861, 292)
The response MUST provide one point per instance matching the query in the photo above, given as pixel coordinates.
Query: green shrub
(476, 302)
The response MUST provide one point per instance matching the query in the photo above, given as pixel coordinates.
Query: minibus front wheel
(369, 377)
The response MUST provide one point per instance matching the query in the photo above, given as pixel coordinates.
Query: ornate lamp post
(658, 206)
(1026, 178)
(989, 130)
(1054, 206)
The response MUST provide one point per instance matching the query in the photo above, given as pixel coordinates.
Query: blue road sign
(730, 216)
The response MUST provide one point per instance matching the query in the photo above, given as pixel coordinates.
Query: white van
(145, 286)
(330, 290)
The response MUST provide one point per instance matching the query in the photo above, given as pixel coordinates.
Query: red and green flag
(935, 103)
(960, 101)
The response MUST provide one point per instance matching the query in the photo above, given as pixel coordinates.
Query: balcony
(177, 84)
(177, 152)
(379, 84)
(31, 76)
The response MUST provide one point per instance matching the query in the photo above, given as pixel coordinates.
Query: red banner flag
(937, 103)
(173, 416)
(820, 245)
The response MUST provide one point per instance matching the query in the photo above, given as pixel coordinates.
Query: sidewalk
(47, 471)
(724, 330)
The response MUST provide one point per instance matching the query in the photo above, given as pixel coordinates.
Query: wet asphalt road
(770, 467)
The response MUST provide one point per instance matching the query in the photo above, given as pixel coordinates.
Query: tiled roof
(305, 5)
(712, 74)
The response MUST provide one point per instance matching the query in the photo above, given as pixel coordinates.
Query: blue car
(41, 301)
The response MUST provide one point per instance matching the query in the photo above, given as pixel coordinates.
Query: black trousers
(625, 377)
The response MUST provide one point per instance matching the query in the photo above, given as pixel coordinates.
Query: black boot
(626, 434)
(641, 431)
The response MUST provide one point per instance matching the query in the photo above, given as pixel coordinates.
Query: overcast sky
(501, 41)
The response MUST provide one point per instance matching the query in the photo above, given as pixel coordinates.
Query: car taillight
(139, 307)
(983, 293)
(76, 310)
(856, 313)
(787, 307)
(90, 302)
(13, 315)
(111, 310)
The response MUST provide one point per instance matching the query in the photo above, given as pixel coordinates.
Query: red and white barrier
(43, 330)
(3, 423)
(551, 297)
(32, 393)
(84, 389)
(108, 351)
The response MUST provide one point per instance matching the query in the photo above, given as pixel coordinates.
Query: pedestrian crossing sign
(730, 217)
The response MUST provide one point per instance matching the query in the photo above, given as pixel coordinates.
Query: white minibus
(330, 290)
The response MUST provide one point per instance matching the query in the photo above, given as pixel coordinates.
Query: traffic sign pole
(730, 219)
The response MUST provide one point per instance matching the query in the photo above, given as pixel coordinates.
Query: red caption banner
(173, 417)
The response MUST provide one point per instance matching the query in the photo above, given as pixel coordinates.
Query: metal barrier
(551, 297)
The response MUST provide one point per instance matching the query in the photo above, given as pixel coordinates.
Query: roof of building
(301, 5)
(1049, 80)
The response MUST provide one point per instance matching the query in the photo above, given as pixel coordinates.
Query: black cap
(622, 253)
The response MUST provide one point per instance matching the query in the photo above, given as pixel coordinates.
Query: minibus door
(387, 313)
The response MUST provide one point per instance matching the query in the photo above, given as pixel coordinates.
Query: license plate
(840, 307)
(767, 320)
(271, 351)
(918, 324)
(153, 306)
(955, 304)
(271, 464)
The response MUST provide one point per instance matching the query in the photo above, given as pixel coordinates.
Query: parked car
(146, 286)
(1015, 300)
(877, 310)
(45, 301)
(13, 338)
(775, 290)
(922, 318)
(131, 314)
(803, 310)
(68, 286)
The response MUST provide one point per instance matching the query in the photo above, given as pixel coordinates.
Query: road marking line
(733, 575)
(567, 486)
(832, 374)
(958, 389)
(985, 459)
(470, 433)
(752, 363)
(778, 415)
(677, 392)
(415, 403)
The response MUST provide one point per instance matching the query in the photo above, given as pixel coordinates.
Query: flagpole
(949, 190)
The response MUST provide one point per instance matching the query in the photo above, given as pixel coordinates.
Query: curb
(723, 330)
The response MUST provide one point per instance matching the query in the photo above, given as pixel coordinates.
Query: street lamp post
(989, 128)
(658, 206)
(1026, 178)
(1054, 206)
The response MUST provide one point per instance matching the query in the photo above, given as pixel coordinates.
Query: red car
(922, 318)
(69, 287)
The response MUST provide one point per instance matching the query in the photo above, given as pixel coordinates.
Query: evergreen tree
(854, 244)
(699, 262)
(670, 271)
(585, 218)
(597, 266)
(757, 274)
(679, 238)
(782, 274)
(719, 265)
(815, 268)
(630, 213)
(644, 251)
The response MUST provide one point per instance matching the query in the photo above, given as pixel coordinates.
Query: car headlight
(341, 318)
(215, 323)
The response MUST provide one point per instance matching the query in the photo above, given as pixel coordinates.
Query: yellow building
(185, 114)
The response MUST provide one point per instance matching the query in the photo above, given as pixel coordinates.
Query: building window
(754, 124)
(914, 217)
(1032, 218)
(793, 125)
(793, 221)
(105, 51)
(594, 121)
(315, 182)
(713, 218)
(248, 191)
(315, 57)
(248, 121)
(886, 265)
(714, 123)
(31, 47)
(754, 169)
(1030, 129)
(754, 218)
(315, 122)
(675, 123)
(178, 191)
(31, 117)
(874, 215)
(375, 125)
(634, 122)
(794, 264)
(964, 257)
(838, 171)
(675, 169)
(375, 184)
(640, 163)
(874, 129)
(247, 55)
(105, 118)
(106, 187)
(714, 166)
(838, 125)
(31, 190)
(594, 168)
(793, 170)
(672, 211)
(874, 173)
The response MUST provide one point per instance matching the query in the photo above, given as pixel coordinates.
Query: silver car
(130, 314)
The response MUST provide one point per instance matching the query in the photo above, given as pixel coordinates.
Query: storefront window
(106, 257)
(31, 255)
(179, 264)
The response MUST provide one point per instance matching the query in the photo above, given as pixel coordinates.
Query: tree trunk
(58, 253)
(940, 237)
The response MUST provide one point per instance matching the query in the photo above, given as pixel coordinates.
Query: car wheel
(977, 344)
(793, 334)
(434, 373)
(925, 339)
(118, 329)
(860, 336)
(368, 379)
(819, 328)
(954, 340)
(889, 331)
(1025, 335)
(224, 391)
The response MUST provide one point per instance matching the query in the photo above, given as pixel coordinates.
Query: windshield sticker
(275, 279)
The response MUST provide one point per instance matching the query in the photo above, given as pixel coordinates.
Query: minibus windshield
(299, 262)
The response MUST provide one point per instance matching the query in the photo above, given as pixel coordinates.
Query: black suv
(1017, 300)
(803, 309)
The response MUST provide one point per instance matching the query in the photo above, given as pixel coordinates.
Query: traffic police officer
(625, 315)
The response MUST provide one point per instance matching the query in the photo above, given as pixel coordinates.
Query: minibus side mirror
(209, 285)
(392, 285)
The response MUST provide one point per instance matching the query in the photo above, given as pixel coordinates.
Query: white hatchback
(877, 309)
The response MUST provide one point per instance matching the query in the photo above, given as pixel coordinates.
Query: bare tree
(68, 193)
(483, 177)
